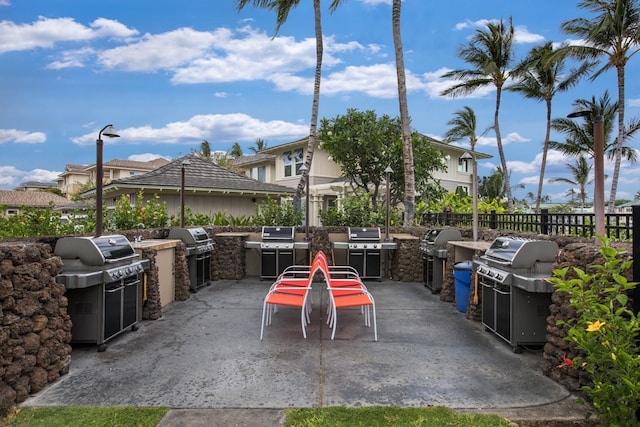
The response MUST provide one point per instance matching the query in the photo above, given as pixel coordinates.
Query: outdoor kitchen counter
(464, 250)
(165, 261)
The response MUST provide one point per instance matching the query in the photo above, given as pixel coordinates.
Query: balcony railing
(617, 226)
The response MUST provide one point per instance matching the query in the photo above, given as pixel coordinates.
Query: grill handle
(501, 262)
(112, 261)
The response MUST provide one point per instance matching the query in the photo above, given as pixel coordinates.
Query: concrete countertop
(468, 244)
(157, 244)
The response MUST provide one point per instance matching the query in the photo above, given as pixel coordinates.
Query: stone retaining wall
(35, 329)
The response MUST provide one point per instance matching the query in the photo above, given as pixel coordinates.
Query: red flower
(565, 362)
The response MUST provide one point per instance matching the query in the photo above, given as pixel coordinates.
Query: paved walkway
(204, 358)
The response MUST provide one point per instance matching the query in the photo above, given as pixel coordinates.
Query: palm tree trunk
(313, 125)
(405, 120)
(545, 149)
(619, 140)
(503, 160)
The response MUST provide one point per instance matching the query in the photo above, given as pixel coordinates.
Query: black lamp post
(305, 171)
(184, 164)
(474, 188)
(108, 131)
(387, 173)
(598, 167)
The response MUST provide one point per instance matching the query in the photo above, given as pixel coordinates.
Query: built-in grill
(199, 247)
(364, 250)
(277, 249)
(434, 256)
(515, 294)
(102, 276)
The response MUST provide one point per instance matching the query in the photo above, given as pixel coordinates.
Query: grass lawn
(321, 417)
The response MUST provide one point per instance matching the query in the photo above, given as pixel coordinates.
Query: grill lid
(277, 233)
(516, 252)
(95, 250)
(363, 233)
(440, 237)
(190, 236)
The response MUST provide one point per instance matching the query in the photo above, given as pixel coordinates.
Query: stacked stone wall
(35, 329)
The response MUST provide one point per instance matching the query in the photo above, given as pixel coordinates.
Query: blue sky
(171, 74)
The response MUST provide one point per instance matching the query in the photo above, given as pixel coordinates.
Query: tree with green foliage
(259, 145)
(364, 145)
(540, 76)
(282, 9)
(490, 54)
(580, 171)
(613, 34)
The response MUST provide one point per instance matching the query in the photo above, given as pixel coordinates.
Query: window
(293, 159)
(463, 165)
(11, 212)
(259, 173)
(286, 159)
(461, 189)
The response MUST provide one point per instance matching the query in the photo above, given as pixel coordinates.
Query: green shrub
(605, 332)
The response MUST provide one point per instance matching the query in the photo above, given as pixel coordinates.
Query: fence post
(544, 221)
(493, 220)
(635, 245)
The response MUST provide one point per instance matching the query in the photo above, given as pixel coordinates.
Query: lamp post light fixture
(305, 171)
(388, 171)
(598, 168)
(474, 190)
(184, 164)
(110, 132)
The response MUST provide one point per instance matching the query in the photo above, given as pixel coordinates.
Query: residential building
(209, 188)
(76, 177)
(13, 202)
(281, 165)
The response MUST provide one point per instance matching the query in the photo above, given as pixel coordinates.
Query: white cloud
(21, 136)
(521, 33)
(211, 127)
(45, 33)
(11, 176)
(510, 138)
(146, 157)
(375, 2)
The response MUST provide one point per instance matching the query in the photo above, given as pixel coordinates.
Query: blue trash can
(462, 277)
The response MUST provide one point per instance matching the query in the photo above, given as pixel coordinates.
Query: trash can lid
(463, 265)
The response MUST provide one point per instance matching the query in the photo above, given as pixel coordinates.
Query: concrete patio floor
(204, 359)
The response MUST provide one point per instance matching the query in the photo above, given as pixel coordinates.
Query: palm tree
(405, 119)
(282, 8)
(580, 171)
(205, 151)
(236, 150)
(615, 35)
(259, 145)
(579, 134)
(463, 125)
(541, 76)
(490, 53)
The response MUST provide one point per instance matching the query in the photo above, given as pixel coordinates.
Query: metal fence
(617, 226)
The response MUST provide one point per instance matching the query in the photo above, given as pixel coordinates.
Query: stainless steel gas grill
(434, 256)
(277, 250)
(199, 247)
(364, 251)
(515, 294)
(103, 277)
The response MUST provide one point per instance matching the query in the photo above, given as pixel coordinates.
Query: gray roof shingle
(199, 175)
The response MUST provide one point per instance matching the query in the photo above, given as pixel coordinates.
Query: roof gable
(199, 175)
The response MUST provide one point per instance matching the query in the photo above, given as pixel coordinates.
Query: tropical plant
(236, 150)
(355, 211)
(579, 134)
(541, 75)
(205, 151)
(405, 119)
(128, 216)
(259, 145)
(282, 9)
(364, 145)
(580, 171)
(614, 33)
(270, 212)
(490, 53)
(605, 333)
